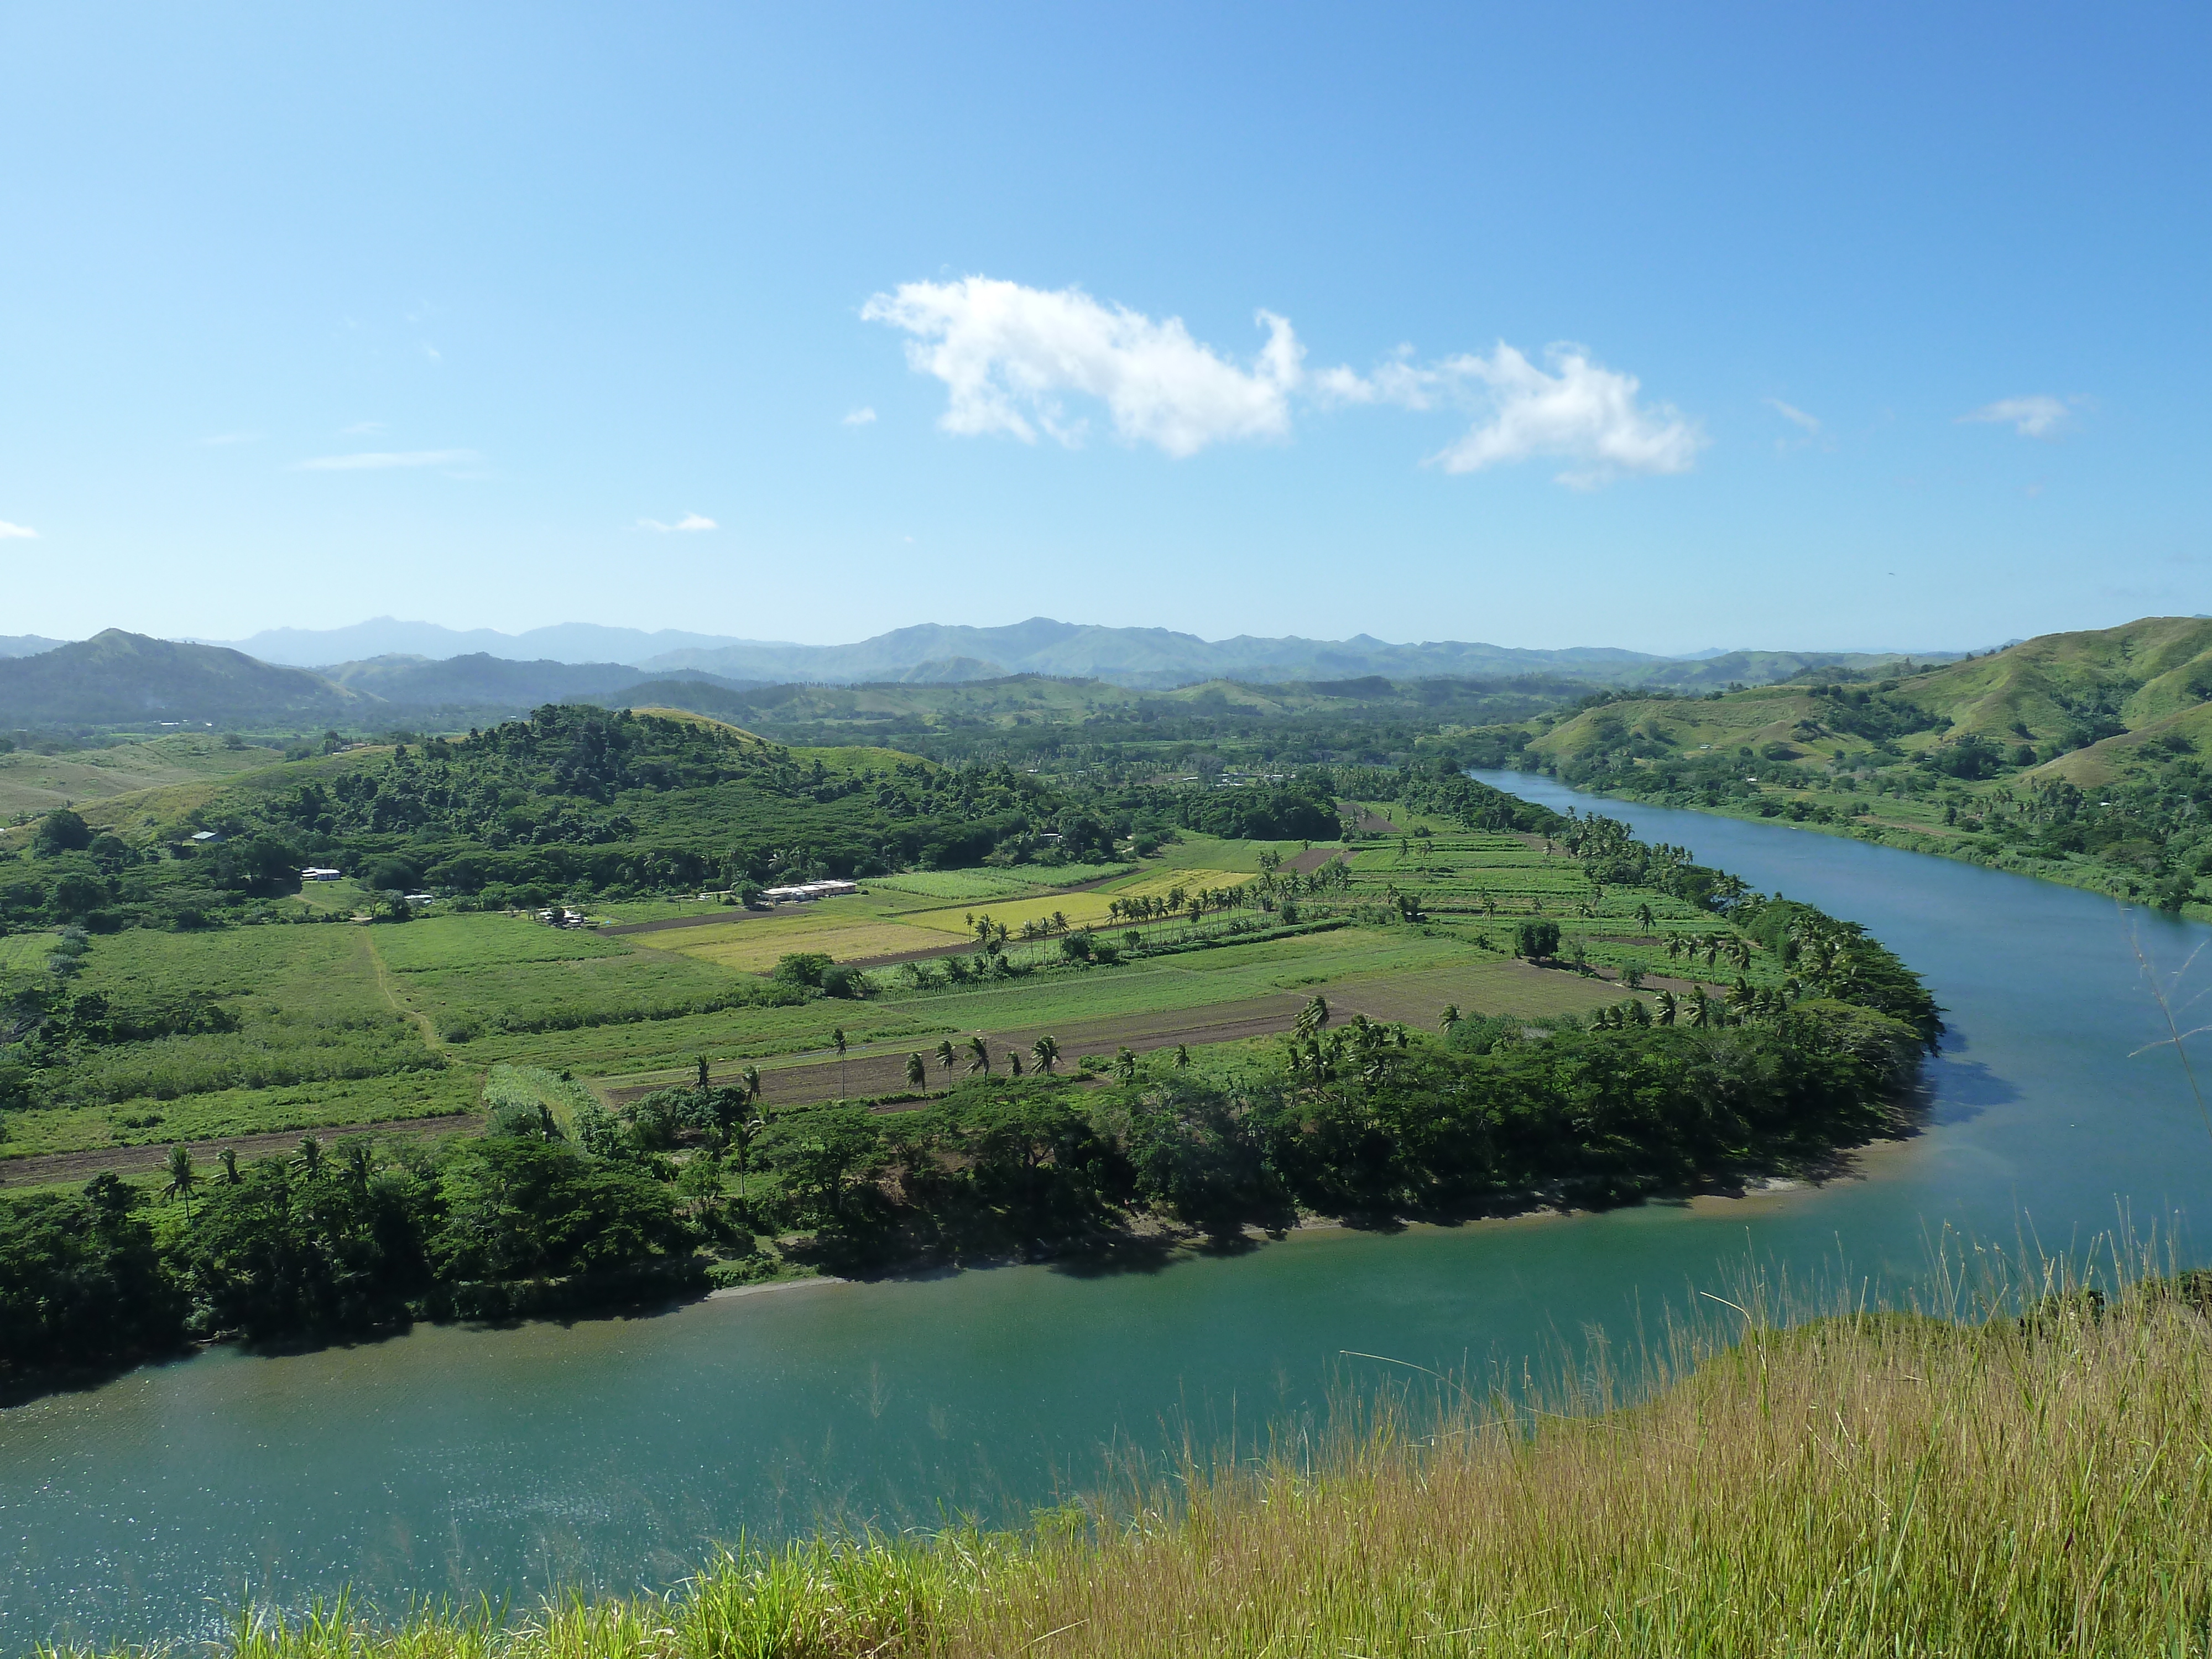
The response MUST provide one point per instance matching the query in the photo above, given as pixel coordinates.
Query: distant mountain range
(1142, 658)
(122, 679)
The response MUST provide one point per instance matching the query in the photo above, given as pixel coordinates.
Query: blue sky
(1658, 327)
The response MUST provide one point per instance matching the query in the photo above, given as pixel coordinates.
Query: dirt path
(51, 1168)
(430, 1037)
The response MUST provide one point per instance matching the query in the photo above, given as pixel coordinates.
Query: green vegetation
(2074, 756)
(2028, 1485)
(1447, 1077)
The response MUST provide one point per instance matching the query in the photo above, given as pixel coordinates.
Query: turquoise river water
(613, 1453)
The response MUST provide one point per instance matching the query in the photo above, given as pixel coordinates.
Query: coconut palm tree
(945, 1054)
(1046, 1052)
(1666, 1015)
(1701, 1009)
(1014, 1061)
(182, 1178)
(750, 1077)
(1450, 1017)
(1312, 1017)
(1125, 1064)
(228, 1159)
(837, 1042)
(917, 1071)
(309, 1160)
(979, 1056)
(1643, 918)
(700, 1060)
(357, 1160)
(1183, 1057)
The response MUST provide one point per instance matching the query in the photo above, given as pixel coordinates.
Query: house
(805, 890)
(207, 837)
(318, 872)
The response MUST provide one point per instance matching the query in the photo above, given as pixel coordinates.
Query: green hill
(116, 678)
(2070, 754)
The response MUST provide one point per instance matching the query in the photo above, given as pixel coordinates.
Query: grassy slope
(1861, 1485)
(2148, 673)
(36, 783)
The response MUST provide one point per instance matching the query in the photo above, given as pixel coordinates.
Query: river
(612, 1453)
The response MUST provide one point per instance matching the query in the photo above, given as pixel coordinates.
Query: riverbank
(1862, 1483)
(2074, 870)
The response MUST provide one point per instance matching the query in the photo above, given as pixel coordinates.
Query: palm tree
(228, 1159)
(1014, 1061)
(1644, 918)
(917, 1071)
(1046, 1052)
(1674, 947)
(752, 1078)
(1701, 1008)
(358, 1161)
(979, 1056)
(1451, 1017)
(1183, 1056)
(945, 1054)
(1060, 920)
(700, 1060)
(837, 1042)
(182, 1178)
(1665, 1008)
(1312, 1017)
(309, 1162)
(1125, 1064)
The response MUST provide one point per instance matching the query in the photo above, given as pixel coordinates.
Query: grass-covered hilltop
(2077, 756)
(546, 1035)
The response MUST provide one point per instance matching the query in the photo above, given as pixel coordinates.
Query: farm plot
(305, 1000)
(849, 930)
(1091, 910)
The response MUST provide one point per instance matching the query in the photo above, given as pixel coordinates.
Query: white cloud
(2038, 416)
(383, 460)
(218, 439)
(1580, 412)
(861, 417)
(361, 429)
(16, 533)
(1795, 417)
(1009, 354)
(433, 353)
(688, 521)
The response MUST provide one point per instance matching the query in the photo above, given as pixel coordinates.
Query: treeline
(579, 801)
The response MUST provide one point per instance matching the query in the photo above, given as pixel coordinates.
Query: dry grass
(1861, 1484)
(754, 946)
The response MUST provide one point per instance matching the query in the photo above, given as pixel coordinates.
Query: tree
(979, 1056)
(1537, 941)
(182, 1178)
(1312, 1017)
(228, 1159)
(1183, 1056)
(1125, 1064)
(1644, 918)
(1451, 1017)
(1014, 1062)
(1046, 1052)
(701, 1062)
(309, 1160)
(1665, 1008)
(946, 1056)
(750, 1077)
(917, 1071)
(837, 1042)
(61, 831)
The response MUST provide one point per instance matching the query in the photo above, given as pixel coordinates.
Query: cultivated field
(342, 1023)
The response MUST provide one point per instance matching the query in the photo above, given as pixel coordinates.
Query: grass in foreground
(1862, 1485)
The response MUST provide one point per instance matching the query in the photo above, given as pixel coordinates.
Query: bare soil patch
(1313, 859)
(53, 1168)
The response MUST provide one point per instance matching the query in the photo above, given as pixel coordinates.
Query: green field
(349, 1023)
